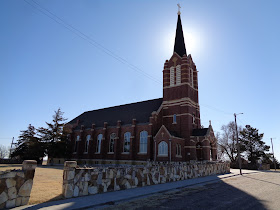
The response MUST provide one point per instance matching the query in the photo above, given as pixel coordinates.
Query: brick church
(163, 129)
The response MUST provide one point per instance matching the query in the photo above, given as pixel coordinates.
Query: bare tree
(220, 150)
(4, 152)
(227, 141)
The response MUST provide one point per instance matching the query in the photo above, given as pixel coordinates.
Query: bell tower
(181, 111)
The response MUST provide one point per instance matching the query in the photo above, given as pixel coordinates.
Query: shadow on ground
(201, 193)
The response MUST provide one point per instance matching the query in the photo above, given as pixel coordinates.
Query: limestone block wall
(16, 185)
(87, 181)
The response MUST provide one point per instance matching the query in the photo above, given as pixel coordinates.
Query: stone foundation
(16, 185)
(87, 181)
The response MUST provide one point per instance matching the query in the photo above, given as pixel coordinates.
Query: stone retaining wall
(10, 161)
(16, 185)
(86, 181)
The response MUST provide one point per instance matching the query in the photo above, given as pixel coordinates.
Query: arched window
(178, 74)
(87, 143)
(76, 143)
(143, 141)
(112, 142)
(163, 148)
(174, 119)
(193, 119)
(191, 77)
(178, 150)
(98, 143)
(172, 76)
(126, 144)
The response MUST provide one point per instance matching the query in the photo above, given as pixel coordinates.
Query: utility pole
(273, 154)
(238, 145)
(11, 147)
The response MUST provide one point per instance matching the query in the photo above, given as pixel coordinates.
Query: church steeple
(179, 46)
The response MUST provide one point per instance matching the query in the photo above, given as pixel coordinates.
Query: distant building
(163, 129)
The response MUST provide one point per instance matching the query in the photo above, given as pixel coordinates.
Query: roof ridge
(122, 105)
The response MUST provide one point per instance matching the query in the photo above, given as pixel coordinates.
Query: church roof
(141, 111)
(200, 132)
(179, 46)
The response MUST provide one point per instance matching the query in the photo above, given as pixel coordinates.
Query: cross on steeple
(179, 7)
(179, 46)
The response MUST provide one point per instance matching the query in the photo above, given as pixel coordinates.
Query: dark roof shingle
(141, 111)
(199, 132)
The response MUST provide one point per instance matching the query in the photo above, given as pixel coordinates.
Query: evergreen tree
(255, 148)
(54, 136)
(28, 146)
(268, 158)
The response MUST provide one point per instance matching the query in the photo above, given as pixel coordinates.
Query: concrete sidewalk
(108, 198)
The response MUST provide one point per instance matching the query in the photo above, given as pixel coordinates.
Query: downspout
(170, 150)
(155, 151)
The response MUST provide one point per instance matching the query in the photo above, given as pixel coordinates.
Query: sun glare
(192, 41)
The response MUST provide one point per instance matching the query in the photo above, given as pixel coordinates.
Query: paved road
(250, 191)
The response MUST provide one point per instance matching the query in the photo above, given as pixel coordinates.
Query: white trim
(205, 140)
(181, 115)
(159, 109)
(178, 74)
(191, 78)
(183, 101)
(142, 153)
(172, 77)
(189, 146)
(183, 83)
(163, 127)
(162, 155)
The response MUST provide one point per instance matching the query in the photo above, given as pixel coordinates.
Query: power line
(215, 109)
(94, 43)
(90, 40)
(241, 122)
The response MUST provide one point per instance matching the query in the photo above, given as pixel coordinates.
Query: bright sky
(101, 57)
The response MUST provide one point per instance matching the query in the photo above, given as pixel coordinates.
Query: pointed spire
(179, 46)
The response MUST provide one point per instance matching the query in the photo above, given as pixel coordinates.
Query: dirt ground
(47, 185)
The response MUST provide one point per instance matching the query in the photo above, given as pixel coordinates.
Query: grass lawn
(47, 183)
(272, 169)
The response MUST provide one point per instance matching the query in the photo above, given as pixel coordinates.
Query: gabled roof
(169, 133)
(179, 46)
(200, 132)
(141, 111)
